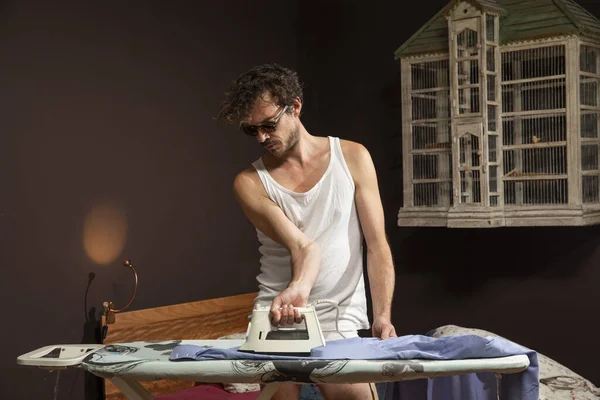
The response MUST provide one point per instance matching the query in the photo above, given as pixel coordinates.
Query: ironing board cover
(398, 360)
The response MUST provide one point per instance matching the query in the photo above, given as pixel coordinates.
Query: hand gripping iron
(264, 338)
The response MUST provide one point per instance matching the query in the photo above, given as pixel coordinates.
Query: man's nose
(261, 136)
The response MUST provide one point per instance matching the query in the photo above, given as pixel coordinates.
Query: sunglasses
(265, 127)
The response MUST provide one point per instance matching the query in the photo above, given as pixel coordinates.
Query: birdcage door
(468, 158)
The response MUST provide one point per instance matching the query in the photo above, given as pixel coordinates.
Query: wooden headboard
(206, 319)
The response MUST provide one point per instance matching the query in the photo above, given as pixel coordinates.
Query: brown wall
(114, 103)
(536, 286)
(111, 104)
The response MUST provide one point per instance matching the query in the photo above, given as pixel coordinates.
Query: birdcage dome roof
(520, 21)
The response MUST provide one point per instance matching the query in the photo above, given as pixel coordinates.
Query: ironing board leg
(133, 390)
(268, 391)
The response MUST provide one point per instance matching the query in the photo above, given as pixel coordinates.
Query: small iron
(264, 338)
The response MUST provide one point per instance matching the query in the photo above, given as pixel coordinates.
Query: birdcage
(500, 112)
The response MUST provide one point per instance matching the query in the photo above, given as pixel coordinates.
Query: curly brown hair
(281, 83)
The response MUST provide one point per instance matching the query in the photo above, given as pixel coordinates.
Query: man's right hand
(283, 311)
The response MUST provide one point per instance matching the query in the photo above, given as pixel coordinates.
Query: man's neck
(307, 148)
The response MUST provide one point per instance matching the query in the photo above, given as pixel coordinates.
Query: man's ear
(297, 107)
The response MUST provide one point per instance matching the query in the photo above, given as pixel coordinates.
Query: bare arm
(380, 265)
(266, 216)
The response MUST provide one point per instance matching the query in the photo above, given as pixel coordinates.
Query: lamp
(109, 311)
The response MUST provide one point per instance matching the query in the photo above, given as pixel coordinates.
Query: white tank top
(327, 215)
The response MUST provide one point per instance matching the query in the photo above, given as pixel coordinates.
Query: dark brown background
(114, 102)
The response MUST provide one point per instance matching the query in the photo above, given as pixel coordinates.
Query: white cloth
(327, 215)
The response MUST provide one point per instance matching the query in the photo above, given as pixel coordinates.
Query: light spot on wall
(105, 233)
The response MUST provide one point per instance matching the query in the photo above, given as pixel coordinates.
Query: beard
(283, 148)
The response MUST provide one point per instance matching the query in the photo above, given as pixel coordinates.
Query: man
(311, 199)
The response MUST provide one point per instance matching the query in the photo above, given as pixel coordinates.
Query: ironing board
(126, 364)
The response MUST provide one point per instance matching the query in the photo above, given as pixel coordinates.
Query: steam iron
(264, 338)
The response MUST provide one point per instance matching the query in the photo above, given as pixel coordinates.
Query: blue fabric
(481, 386)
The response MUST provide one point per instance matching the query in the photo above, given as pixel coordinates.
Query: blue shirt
(518, 386)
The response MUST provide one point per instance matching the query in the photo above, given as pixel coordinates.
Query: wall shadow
(93, 385)
(462, 261)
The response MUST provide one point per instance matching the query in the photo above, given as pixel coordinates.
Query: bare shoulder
(247, 182)
(355, 154)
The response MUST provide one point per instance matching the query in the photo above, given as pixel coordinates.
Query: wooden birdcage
(501, 116)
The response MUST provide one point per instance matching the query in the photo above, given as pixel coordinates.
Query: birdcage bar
(538, 146)
(533, 80)
(535, 191)
(587, 109)
(590, 188)
(443, 149)
(494, 104)
(427, 194)
(533, 64)
(490, 56)
(535, 162)
(468, 89)
(588, 59)
(522, 178)
(534, 125)
(469, 168)
(431, 134)
(533, 114)
(589, 74)
(589, 97)
(430, 90)
(428, 121)
(491, 87)
(540, 130)
(590, 120)
(589, 157)
(493, 149)
(490, 28)
(467, 41)
(589, 123)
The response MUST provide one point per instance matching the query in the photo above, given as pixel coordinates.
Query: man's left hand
(383, 328)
